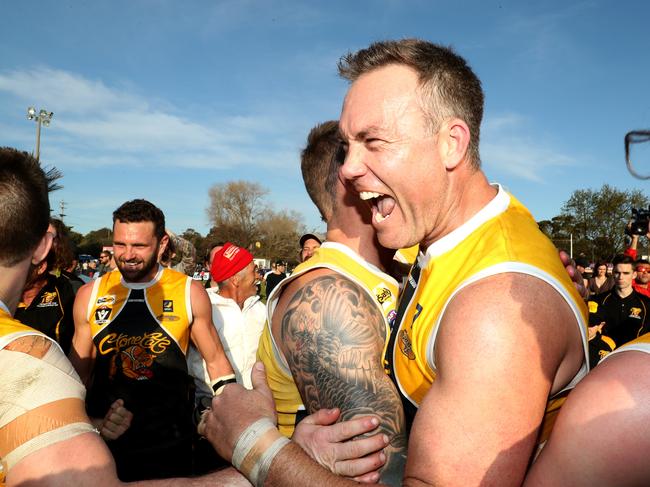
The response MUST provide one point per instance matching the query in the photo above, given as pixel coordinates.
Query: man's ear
(42, 249)
(453, 142)
(164, 241)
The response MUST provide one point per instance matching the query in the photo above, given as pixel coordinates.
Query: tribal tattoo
(333, 336)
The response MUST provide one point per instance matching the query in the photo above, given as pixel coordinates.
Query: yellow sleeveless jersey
(166, 300)
(339, 258)
(502, 237)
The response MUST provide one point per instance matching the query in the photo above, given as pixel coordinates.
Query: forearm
(228, 477)
(292, 467)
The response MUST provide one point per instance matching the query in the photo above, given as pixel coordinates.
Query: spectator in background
(106, 263)
(183, 253)
(47, 300)
(308, 245)
(237, 314)
(601, 282)
(582, 264)
(640, 283)
(619, 315)
(274, 278)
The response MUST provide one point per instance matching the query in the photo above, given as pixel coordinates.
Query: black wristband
(220, 383)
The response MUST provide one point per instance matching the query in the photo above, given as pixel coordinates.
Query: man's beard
(133, 275)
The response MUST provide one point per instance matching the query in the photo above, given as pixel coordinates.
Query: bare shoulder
(611, 406)
(516, 314)
(84, 292)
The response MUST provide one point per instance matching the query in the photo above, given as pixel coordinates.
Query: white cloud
(98, 125)
(508, 147)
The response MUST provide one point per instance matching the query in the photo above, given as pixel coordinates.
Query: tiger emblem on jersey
(135, 363)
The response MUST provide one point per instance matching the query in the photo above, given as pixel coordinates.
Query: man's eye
(374, 142)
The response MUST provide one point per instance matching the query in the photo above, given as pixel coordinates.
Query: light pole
(42, 118)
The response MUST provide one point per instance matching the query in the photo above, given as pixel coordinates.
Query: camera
(640, 219)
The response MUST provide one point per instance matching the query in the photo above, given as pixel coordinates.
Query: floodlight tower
(43, 117)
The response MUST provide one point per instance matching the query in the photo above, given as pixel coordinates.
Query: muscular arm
(82, 354)
(333, 335)
(505, 343)
(204, 335)
(601, 436)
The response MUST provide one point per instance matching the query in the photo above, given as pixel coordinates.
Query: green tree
(94, 240)
(596, 219)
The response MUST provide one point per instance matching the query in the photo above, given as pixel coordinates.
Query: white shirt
(239, 331)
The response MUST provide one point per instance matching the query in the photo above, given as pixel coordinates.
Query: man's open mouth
(382, 205)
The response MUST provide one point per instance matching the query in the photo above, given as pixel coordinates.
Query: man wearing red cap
(237, 314)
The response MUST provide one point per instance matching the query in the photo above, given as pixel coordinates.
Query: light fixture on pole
(43, 117)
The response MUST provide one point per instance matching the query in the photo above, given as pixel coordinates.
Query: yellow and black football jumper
(141, 333)
(51, 311)
(501, 238)
(339, 258)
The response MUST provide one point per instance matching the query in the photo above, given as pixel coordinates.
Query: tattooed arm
(332, 334)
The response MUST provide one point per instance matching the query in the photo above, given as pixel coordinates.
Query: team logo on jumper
(405, 345)
(635, 313)
(162, 318)
(383, 294)
(106, 300)
(135, 363)
(102, 314)
(48, 299)
(168, 306)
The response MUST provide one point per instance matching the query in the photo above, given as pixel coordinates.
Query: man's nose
(353, 166)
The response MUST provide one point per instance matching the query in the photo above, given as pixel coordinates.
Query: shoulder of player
(505, 301)
(84, 292)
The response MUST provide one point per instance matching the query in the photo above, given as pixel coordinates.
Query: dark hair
(62, 252)
(600, 264)
(449, 87)
(623, 259)
(136, 211)
(642, 261)
(24, 204)
(320, 161)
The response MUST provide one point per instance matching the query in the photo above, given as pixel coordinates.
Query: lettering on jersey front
(405, 345)
(635, 313)
(168, 306)
(48, 300)
(102, 315)
(107, 300)
(155, 342)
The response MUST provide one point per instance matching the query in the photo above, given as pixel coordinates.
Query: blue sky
(162, 99)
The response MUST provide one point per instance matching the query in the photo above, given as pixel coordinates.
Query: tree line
(593, 219)
(239, 212)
